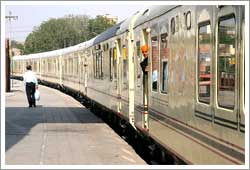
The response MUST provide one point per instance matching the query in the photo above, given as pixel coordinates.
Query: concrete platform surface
(60, 131)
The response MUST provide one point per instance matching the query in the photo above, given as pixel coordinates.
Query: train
(195, 112)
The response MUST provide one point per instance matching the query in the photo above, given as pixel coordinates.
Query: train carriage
(103, 85)
(193, 103)
(188, 95)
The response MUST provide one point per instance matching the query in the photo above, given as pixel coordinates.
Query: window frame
(186, 20)
(157, 89)
(172, 25)
(161, 63)
(111, 64)
(223, 18)
(201, 24)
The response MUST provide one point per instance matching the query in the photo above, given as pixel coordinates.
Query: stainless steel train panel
(203, 93)
(226, 98)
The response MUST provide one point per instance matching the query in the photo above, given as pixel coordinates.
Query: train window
(138, 70)
(172, 25)
(97, 62)
(35, 66)
(226, 61)
(76, 65)
(204, 62)
(94, 66)
(177, 24)
(99, 67)
(68, 63)
(125, 66)
(114, 62)
(67, 66)
(188, 20)
(110, 65)
(164, 61)
(101, 58)
(164, 76)
(43, 65)
(155, 64)
(71, 66)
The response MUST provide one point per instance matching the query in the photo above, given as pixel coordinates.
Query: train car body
(192, 103)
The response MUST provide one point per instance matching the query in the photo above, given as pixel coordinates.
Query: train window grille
(188, 20)
(164, 54)
(173, 25)
(226, 62)
(204, 62)
(99, 67)
(155, 63)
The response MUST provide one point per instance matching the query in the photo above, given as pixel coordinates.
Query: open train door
(145, 85)
(140, 82)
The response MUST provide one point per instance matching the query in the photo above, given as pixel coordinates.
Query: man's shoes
(30, 106)
(34, 105)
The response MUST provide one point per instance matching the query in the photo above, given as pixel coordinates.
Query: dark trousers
(30, 92)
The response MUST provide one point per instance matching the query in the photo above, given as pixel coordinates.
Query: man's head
(144, 50)
(29, 67)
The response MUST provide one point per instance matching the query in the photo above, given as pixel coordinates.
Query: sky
(30, 16)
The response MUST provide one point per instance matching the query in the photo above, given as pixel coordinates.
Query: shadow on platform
(20, 121)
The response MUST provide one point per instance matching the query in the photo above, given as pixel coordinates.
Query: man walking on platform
(31, 85)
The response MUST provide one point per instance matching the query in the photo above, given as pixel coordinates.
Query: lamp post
(9, 18)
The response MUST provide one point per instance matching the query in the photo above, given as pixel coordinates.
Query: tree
(15, 44)
(99, 25)
(64, 32)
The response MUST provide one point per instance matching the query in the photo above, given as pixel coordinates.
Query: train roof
(111, 32)
(153, 12)
(129, 22)
(39, 55)
(58, 52)
(86, 44)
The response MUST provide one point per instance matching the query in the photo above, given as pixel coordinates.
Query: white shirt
(30, 76)
(154, 75)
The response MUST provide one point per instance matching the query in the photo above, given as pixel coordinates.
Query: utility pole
(9, 18)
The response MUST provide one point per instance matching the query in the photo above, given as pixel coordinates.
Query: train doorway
(145, 85)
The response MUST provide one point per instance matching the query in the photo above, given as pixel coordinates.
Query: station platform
(59, 131)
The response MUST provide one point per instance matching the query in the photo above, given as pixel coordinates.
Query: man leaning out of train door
(144, 63)
(31, 84)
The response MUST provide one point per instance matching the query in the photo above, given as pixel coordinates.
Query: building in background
(110, 17)
(16, 52)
